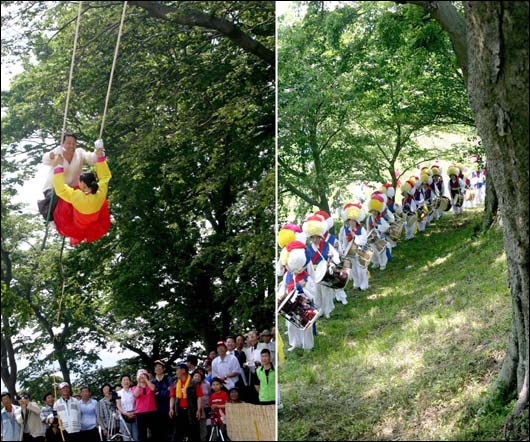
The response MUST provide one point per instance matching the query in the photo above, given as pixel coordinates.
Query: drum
(395, 231)
(347, 262)
(380, 245)
(352, 248)
(436, 202)
(337, 279)
(320, 271)
(365, 256)
(459, 200)
(296, 309)
(445, 204)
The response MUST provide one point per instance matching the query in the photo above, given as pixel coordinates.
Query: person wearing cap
(266, 337)
(225, 366)
(297, 278)
(438, 187)
(353, 230)
(317, 250)
(69, 413)
(28, 417)
(340, 294)
(11, 429)
(162, 426)
(144, 393)
(377, 223)
(409, 208)
(456, 187)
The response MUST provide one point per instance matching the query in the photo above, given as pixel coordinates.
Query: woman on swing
(82, 213)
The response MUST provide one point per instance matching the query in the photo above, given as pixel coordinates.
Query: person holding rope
(69, 413)
(82, 214)
(28, 417)
(75, 157)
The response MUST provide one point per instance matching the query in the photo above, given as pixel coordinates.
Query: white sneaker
(291, 348)
(344, 302)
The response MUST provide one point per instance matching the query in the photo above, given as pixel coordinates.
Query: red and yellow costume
(78, 215)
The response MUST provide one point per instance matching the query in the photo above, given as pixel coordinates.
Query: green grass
(413, 357)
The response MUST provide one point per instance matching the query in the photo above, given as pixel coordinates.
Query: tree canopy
(357, 85)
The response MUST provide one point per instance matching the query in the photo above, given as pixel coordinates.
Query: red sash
(296, 280)
(321, 246)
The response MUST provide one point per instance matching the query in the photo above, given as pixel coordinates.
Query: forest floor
(413, 357)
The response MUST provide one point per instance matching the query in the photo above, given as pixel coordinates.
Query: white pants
(437, 213)
(359, 275)
(299, 338)
(481, 192)
(456, 210)
(340, 296)
(324, 299)
(379, 259)
(409, 231)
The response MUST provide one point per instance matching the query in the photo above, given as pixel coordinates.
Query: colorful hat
(390, 192)
(296, 259)
(377, 202)
(358, 206)
(354, 213)
(426, 179)
(285, 236)
(329, 220)
(425, 170)
(407, 187)
(453, 170)
(436, 170)
(314, 225)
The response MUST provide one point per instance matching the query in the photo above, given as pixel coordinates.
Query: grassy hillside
(412, 358)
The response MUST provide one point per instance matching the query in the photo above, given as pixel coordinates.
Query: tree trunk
(491, 204)
(497, 34)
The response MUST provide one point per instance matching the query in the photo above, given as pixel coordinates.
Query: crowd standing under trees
(159, 407)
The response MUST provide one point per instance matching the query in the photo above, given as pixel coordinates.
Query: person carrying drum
(340, 294)
(353, 236)
(319, 250)
(423, 206)
(438, 189)
(298, 279)
(456, 189)
(409, 209)
(377, 227)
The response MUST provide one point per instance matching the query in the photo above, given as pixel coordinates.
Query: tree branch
(201, 19)
(296, 191)
(453, 23)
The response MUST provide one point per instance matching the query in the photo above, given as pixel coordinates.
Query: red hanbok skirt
(78, 226)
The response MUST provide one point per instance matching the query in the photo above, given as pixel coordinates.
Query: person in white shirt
(225, 367)
(74, 158)
(126, 404)
(68, 410)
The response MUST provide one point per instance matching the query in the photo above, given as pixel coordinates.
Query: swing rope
(62, 135)
(112, 70)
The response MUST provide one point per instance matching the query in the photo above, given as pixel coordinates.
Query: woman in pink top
(144, 394)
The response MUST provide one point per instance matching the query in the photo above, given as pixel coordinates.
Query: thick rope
(71, 69)
(112, 70)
